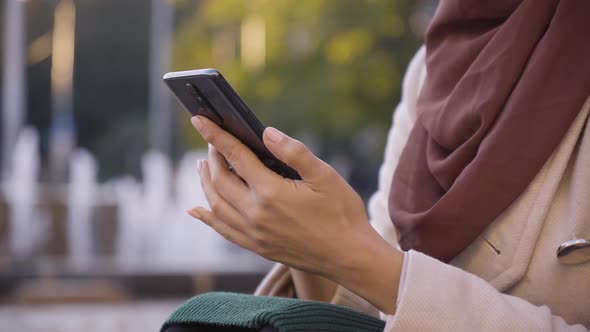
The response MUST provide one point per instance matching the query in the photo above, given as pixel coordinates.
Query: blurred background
(98, 159)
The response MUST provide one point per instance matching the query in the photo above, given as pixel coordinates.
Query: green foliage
(331, 67)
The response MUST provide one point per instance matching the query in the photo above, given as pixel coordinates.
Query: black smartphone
(205, 92)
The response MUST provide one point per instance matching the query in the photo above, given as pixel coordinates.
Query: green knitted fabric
(231, 310)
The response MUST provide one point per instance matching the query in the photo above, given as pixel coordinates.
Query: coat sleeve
(435, 296)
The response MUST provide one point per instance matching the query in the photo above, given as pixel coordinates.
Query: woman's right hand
(317, 224)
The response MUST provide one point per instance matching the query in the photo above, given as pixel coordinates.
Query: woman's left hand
(317, 224)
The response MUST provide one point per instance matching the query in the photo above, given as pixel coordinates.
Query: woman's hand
(317, 224)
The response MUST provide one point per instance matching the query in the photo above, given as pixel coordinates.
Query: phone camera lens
(191, 89)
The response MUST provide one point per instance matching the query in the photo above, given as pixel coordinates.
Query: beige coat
(509, 279)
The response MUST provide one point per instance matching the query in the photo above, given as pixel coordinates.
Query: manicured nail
(197, 123)
(194, 213)
(273, 134)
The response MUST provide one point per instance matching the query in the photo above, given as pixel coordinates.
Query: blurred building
(110, 78)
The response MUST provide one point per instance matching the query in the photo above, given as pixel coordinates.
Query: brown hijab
(505, 80)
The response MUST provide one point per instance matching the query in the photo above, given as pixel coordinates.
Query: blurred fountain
(157, 180)
(153, 231)
(144, 213)
(129, 217)
(21, 194)
(183, 234)
(81, 202)
(191, 243)
(188, 182)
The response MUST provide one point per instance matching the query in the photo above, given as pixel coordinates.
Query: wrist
(371, 268)
(309, 286)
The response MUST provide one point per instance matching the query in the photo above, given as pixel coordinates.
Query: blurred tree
(326, 71)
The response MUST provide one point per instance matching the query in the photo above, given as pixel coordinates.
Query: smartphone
(205, 92)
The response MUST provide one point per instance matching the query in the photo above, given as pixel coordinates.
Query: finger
(244, 161)
(223, 229)
(294, 153)
(227, 184)
(222, 209)
(227, 165)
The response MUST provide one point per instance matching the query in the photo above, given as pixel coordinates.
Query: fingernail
(273, 134)
(199, 165)
(197, 123)
(194, 213)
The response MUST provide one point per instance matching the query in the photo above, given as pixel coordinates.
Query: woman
(486, 174)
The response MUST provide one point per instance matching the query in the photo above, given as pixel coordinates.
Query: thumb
(293, 153)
